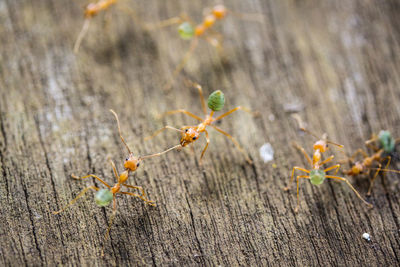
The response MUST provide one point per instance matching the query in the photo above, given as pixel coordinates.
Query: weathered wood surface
(336, 60)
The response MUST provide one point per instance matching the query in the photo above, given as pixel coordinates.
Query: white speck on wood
(267, 152)
(366, 236)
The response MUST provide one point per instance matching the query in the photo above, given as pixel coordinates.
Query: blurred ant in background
(382, 152)
(188, 30)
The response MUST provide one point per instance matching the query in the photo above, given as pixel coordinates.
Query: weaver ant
(190, 134)
(91, 10)
(104, 197)
(317, 175)
(187, 31)
(387, 145)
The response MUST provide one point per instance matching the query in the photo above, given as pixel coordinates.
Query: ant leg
(160, 130)
(373, 179)
(327, 160)
(205, 148)
(298, 195)
(376, 174)
(352, 188)
(119, 130)
(337, 167)
(164, 23)
(90, 175)
(114, 169)
(81, 35)
(235, 109)
(182, 64)
(304, 152)
(292, 177)
(180, 111)
(355, 154)
(359, 151)
(369, 143)
(150, 202)
(110, 224)
(236, 143)
(203, 103)
(160, 153)
(140, 189)
(77, 197)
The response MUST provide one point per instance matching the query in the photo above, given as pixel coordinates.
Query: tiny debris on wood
(366, 236)
(267, 152)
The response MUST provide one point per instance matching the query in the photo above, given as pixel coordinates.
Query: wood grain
(335, 62)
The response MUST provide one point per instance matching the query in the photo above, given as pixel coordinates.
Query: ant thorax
(316, 158)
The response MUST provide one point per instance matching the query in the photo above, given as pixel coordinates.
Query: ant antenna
(119, 130)
(323, 137)
(159, 154)
(82, 34)
(384, 170)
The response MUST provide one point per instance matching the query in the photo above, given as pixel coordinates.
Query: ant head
(219, 11)
(357, 168)
(91, 10)
(321, 145)
(189, 135)
(131, 163)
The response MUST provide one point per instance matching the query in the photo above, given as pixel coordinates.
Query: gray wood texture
(335, 62)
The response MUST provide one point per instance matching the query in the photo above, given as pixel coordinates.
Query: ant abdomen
(103, 197)
(216, 100)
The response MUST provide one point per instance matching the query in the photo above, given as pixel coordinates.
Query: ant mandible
(317, 175)
(104, 197)
(189, 134)
(387, 146)
(91, 10)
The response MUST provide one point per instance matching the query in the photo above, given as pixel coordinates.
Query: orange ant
(316, 175)
(104, 197)
(360, 167)
(189, 134)
(91, 10)
(203, 30)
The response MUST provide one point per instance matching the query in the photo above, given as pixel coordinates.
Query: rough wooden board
(337, 59)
